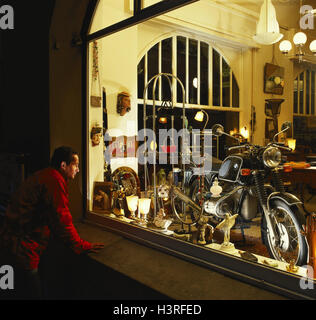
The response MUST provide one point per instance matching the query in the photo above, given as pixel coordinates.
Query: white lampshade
(244, 132)
(268, 31)
(312, 46)
(144, 205)
(285, 46)
(199, 116)
(291, 143)
(132, 202)
(300, 38)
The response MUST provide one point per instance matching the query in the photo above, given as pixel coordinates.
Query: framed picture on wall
(273, 79)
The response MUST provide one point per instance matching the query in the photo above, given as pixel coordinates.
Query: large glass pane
(166, 67)
(216, 79)
(295, 97)
(307, 90)
(193, 76)
(235, 92)
(153, 70)
(313, 93)
(226, 83)
(301, 90)
(181, 66)
(204, 64)
(141, 78)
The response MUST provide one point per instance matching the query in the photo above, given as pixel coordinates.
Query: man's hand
(96, 247)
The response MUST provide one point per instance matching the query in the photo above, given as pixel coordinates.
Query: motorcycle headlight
(272, 157)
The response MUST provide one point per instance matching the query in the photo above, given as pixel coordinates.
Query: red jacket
(40, 206)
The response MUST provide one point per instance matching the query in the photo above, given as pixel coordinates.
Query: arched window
(207, 77)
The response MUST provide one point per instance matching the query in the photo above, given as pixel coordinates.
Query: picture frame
(273, 79)
(102, 196)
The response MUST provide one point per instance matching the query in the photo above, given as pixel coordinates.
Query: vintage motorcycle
(243, 178)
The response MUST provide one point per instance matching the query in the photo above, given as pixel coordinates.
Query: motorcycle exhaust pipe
(177, 192)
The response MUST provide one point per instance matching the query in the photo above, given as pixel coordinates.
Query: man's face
(72, 168)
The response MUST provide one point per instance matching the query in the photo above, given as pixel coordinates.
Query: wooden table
(301, 178)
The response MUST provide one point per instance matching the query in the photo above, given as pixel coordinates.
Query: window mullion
(187, 71)
(210, 75)
(198, 72)
(221, 80)
(159, 71)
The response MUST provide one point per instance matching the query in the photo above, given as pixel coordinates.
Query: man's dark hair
(62, 154)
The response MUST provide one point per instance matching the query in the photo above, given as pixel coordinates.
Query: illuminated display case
(145, 171)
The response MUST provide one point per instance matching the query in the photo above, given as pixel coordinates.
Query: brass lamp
(199, 116)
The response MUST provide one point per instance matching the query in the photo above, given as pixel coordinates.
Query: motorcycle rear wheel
(292, 244)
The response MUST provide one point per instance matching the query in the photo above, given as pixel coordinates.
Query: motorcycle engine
(217, 207)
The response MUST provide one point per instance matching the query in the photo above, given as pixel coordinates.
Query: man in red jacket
(40, 207)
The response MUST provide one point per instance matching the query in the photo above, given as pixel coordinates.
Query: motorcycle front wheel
(291, 243)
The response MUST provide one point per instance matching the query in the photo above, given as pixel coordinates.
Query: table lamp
(132, 202)
(143, 207)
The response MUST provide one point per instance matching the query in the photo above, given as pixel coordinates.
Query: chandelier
(299, 40)
(268, 31)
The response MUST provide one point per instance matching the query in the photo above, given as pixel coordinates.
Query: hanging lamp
(268, 31)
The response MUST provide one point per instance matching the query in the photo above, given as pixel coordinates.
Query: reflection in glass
(193, 80)
(181, 69)
(153, 70)
(166, 67)
(226, 83)
(204, 47)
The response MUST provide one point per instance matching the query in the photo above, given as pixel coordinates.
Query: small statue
(160, 220)
(161, 177)
(292, 267)
(226, 225)
(202, 225)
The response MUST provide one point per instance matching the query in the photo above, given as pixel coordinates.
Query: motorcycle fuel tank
(230, 168)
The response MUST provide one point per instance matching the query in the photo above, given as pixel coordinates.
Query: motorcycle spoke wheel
(288, 247)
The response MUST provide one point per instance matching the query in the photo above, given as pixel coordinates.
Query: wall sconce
(291, 143)
(244, 132)
(199, 116)
(132, 202)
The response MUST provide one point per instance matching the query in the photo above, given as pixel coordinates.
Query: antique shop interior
(196, 126)
(174, 104)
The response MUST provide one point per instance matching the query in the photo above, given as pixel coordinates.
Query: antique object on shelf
(132, 202)
(160, 221)
(225, 226)
(311, 238)
(144, 207)
(122, 147)
(123, 103)
(126, 178)
(248, 256)
(102, 196)
(291, 267)
(270, 263)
